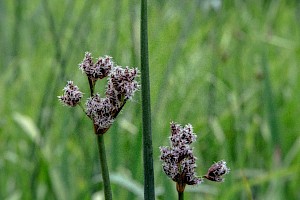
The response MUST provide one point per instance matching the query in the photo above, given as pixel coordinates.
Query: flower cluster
(179, 163)
(99, 70)
(121, 85)
(216, 171)
(100, 109)
(71, 96)
(178, 160)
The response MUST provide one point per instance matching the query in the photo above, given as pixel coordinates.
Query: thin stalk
(104, 168)
(149, 193)
(180, 189)
(180, 196)
(102, 154)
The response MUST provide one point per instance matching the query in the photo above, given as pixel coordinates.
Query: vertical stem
(180, 196)
(102, 153)
(104, 168)
(180, 189)
(149, 193)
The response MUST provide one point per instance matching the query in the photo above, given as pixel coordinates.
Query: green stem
(147, 135)
(102, 154)
(104, 168)
(180, 196)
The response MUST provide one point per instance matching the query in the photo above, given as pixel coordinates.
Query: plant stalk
(102, 154)
(180, 196)
(149, 193)
(104, 168)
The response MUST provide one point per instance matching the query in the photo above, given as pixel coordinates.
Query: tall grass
(236, 65)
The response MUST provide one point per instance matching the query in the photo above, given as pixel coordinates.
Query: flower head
(99, 70)
(182, 136)
(179, 163)
(71, 96)
(121, 85)
(216, 171)
(100, 110)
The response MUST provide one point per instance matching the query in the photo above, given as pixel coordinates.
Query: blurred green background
(230, 68)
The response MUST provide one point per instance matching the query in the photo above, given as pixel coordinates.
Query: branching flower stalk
(121, 86)
(179, 162)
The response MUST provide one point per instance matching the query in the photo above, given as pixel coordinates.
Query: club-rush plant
(179, 162)
(121, 86)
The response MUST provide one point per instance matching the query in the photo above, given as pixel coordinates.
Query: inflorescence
(216, 171)
(179, 163)
(71, 96)
(99, 70)
(121, 86)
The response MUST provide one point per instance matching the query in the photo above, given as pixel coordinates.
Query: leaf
(125, 182)
(59, 188)
(28, 126)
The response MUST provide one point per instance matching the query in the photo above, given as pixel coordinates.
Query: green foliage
(231, 71)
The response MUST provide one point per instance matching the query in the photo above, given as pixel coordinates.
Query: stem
(180, 196)
(180, 189)
(102, 154)
(149, 193)
(104, 168)
(92, 86)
